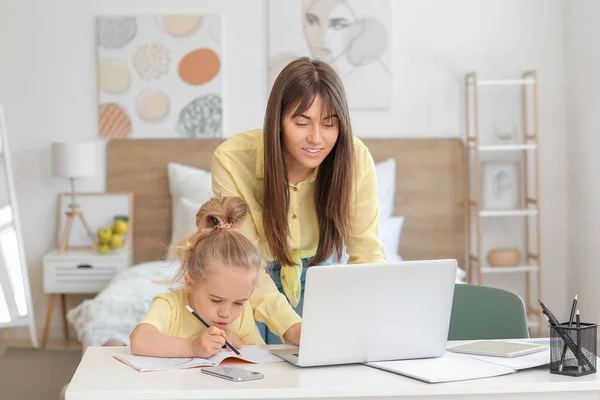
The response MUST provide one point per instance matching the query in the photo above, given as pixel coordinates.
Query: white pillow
(184, 224)
(189, 183)
(389, 233)
(386, 183)
(461, 274)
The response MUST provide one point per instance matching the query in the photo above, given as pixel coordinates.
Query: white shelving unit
(528, 210)
(508, 213)
(505, 82)
(509, 270)
(505, 147)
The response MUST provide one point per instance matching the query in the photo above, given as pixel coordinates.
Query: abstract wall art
(160, 76)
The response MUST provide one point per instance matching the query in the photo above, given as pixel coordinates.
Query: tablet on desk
(497, 348)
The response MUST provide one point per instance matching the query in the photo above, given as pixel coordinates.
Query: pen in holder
(573, 349)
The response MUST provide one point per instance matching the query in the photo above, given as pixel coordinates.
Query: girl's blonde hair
(217, 239)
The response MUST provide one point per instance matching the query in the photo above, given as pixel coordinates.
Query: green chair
(480, 312)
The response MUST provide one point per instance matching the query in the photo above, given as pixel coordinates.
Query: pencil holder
(573, 350)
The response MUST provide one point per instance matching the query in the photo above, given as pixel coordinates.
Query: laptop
(374, 312)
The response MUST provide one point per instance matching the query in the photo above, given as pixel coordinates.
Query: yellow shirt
(238, 170)
(168, 315)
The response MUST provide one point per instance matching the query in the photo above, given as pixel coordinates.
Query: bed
(421, 185)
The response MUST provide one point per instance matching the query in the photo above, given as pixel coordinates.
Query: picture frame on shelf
(101, 210)
(502, 185)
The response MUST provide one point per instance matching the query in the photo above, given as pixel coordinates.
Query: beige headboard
(429, 190)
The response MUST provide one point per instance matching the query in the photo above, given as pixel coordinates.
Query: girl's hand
(209, 343)
(234, 340)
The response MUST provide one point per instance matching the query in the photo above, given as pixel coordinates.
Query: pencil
(577, 322)
(571, 317)
(195, 314)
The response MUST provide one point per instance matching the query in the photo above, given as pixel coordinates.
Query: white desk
(100, 377)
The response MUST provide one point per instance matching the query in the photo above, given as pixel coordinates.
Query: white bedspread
(117, 309)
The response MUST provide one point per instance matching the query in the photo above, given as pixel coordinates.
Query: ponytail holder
(223, 225)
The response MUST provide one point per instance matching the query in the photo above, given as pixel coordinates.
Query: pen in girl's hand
(195, 314)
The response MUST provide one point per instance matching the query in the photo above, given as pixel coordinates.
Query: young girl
(219, 266)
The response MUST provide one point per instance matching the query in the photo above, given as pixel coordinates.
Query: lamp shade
(74, 160)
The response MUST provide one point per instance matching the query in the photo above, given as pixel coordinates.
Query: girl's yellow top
(238, 170)
(169, 316)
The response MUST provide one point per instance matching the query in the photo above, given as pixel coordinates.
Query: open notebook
(458, 367)
(251, 354)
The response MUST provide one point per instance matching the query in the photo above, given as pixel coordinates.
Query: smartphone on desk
(233, 373)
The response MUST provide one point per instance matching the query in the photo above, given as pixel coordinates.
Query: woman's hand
(234, 340)
(292, 335)
(209, 343)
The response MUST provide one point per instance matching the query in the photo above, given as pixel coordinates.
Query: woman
(310, 186)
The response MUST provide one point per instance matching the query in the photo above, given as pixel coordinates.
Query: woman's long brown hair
(294, 91)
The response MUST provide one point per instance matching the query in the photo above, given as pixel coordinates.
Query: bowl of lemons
(112, 237)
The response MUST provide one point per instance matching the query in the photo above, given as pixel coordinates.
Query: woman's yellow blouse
(238, 170)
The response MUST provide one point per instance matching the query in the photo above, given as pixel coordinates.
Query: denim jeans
(274, 269)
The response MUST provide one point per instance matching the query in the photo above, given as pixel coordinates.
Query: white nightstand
(81, 272)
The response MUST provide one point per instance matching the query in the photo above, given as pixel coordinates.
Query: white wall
(47, 82)
(583, 185)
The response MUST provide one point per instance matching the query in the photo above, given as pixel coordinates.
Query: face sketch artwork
(335, 34)
(329, 28)
(346, 35)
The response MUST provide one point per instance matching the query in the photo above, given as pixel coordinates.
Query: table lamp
(74, 160)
